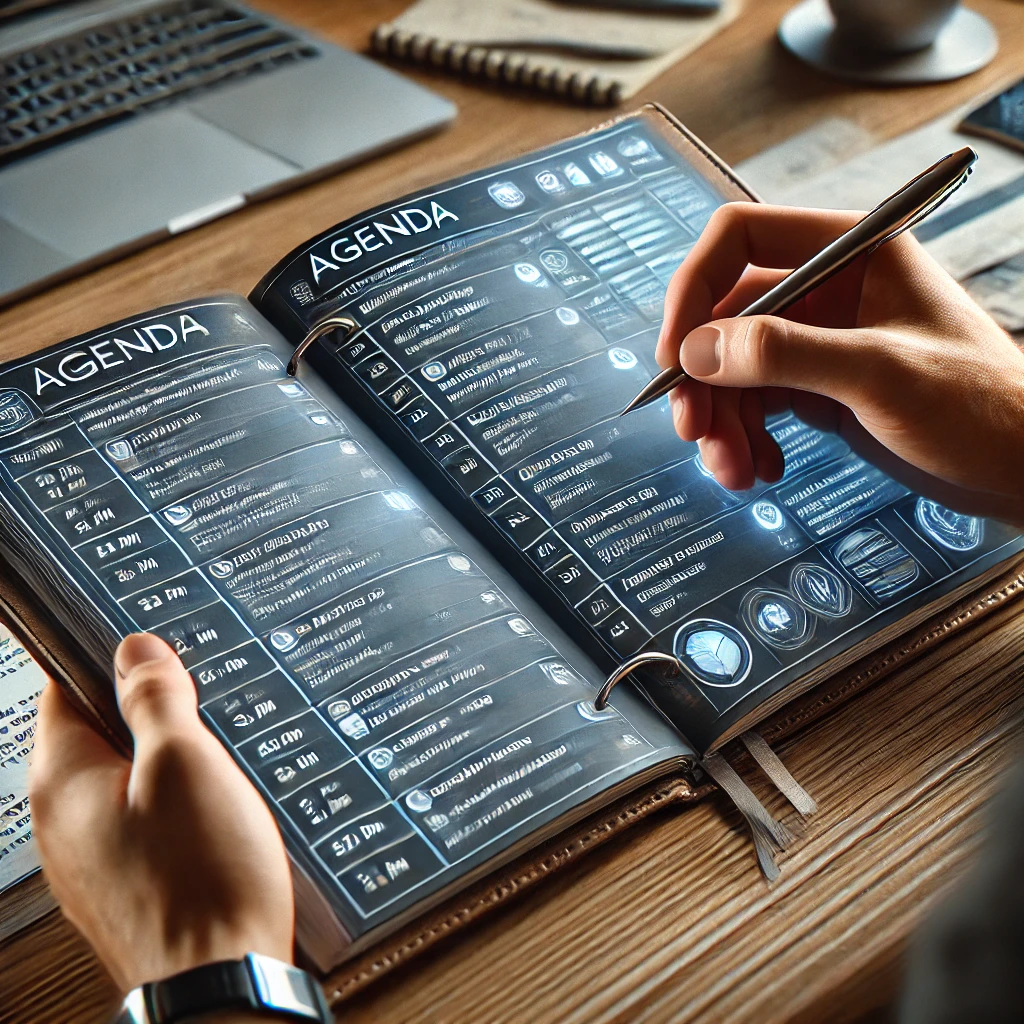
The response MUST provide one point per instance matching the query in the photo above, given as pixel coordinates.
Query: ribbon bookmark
(769, 835)
(769, 763)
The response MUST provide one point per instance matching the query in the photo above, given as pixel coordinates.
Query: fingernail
(138, 648)
(701, 355)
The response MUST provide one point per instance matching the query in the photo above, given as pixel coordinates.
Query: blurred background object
(600, 57)
(125, 121)
(889, 41)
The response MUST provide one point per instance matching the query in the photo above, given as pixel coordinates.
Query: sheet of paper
(780, 175)
(348, 648)
(1000, 291)
(823, 146)
(21, 681)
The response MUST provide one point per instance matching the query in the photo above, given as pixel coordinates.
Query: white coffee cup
(891, 26)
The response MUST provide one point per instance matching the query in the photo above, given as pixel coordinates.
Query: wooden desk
(671, 922)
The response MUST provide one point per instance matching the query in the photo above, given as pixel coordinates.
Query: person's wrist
(215, 945)
(255, 987)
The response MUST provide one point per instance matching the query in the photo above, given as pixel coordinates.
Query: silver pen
(902, 210)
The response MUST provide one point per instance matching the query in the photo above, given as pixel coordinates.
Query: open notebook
(400, 576)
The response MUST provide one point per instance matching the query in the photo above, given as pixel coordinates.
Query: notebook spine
(499, 66)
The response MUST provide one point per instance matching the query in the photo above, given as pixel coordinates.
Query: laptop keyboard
(62, 88)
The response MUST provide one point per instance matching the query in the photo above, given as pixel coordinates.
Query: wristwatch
(256, 984)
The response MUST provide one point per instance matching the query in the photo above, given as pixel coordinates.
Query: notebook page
(505, 319)
(406, 711)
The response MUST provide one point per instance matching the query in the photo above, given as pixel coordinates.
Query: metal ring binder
(637, 661)
(331, 323)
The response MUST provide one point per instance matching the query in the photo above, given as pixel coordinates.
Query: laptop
(125, 121)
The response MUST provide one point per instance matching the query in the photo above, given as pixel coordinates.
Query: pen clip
(925, 211)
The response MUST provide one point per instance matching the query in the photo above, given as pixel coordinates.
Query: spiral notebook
(388, 514)
(597, 56)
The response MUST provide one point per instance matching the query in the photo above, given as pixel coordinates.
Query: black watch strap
(257, 984)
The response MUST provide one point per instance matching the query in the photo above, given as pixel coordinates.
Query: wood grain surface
(670, 922)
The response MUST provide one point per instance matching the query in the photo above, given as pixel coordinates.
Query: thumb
(850, 366)
(154, 691)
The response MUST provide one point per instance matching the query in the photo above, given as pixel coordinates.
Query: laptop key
(59, 89)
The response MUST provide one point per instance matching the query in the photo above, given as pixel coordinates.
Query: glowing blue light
(715, 653)
(768, 516)
(951, 529)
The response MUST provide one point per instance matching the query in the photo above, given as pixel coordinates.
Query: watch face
(133, 1009)
(287, 989)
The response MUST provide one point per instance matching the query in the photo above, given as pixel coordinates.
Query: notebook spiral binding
(501, 66)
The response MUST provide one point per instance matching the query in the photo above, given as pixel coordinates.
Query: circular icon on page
(354, 726)
(283, 640)
(555, 260)
(177, 515)
(768, 516)
(821, 590)
(14, 412)
(622, 358)
(119, 450)
(633, 146)
(506, 194)
(338, 709)
(528, 273)
(777, 619)
(951, 529)
(418, 801)
(714, 653)
(550, 182)
(380, 758)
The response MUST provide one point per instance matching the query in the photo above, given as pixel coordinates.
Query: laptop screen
(12, 8)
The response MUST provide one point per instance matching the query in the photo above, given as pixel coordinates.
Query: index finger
(736, 236)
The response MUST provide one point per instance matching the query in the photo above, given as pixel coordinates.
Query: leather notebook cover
(958, 622)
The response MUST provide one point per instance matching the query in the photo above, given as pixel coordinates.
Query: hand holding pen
(902, 210)
(890, 353)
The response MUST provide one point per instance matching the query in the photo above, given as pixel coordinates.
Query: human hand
(890, 353)
(170, 860)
